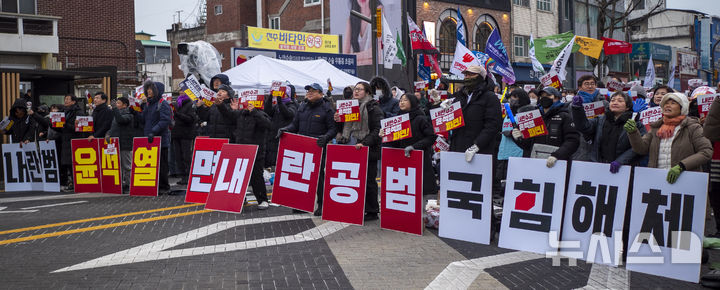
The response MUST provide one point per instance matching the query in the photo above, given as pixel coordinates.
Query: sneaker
(318, 211)
(370, 217)
(263, 205)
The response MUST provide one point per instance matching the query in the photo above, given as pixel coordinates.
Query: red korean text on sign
(84, 124)
(345, 180)
(232, 175)
(205, 156)
(531, 124)
(257, 100)
(704, 102)
(86, 165)
(297, 172)
(401, 192)
(651, 115)
(349, 110)
(145, 167)
(594, 109)
(444, 120)
(57, 119)
(110, 165)
(396, 128)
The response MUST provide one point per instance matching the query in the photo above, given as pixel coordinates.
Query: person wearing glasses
(589, 93)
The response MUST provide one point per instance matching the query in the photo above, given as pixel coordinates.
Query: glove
(674, 173)
(445, 104)
(577, 101)
(614, 167)
(639, 105)
(470, 153)
(150, 138)
(517, 135)
(280, 132)
(630, 126)
(551, 162)
(408, 150)
(322, 141)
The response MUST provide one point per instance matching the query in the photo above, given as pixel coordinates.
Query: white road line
(461, 274)
(14, 211)
(61, 196)
(157, 250)
(607, 277)
(55, 204)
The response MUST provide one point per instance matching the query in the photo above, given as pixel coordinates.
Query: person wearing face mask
(658, 94)
(366, 133)
(422, 138)
(675, 142)
(533, 95)
(561, 130)
(517, 99)
(251, 127)
(389, 105)
(482, 113)
(610, 141)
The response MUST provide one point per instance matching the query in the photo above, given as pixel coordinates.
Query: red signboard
(349, 110)
(297, 172)
(594, 109)
(345, 180)
(145, 167)
(84, 124)
(441, 145)
(704, 102)
(110, 166)
(401, 193)
(57, 119)
(551, 79)
(650, 115)
(396, 128)
(86, 165)
(232, 175)
(444, 120)
(257, 100)
(531, 124)
(614, 85)
(205, 156)
(421, 85)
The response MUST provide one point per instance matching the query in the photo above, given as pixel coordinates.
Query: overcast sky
(158, 15)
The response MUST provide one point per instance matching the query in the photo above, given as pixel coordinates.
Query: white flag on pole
(463, 58)
(389, 46)
(537, 66)
(649, 74)
(671, 80)
(562, 59)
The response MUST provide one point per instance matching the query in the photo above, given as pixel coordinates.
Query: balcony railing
(14, 23)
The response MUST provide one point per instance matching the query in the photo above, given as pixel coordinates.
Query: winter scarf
(361, 129)
(587, 97)
(667, 129)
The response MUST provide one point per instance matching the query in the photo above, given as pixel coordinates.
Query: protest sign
(396, 128)
(465, 197)
(401, 195)
(345, 180)
(231, 179)
(84, 124)
(135, 104)
(614, 85)
(594, 109)
(145, 167)
(51, 168)
(441, 145)
(6, 124)
(444, 120)
(667, 224)
(277, 90)
(704, 102)
(86, 165)
(110, 166)
(205, 157)
(57, 119)
(191, 87)
(595, 211)
(349, 110)
(650, 116)
(252, 97)
(420, 85)
(532, 209)
(528, 88)
(17, 177)
(443, 95)
(33, 165)
(208, 95)
(551, 79)
(297, 172)
(531, 124)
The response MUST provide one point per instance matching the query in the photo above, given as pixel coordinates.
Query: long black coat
(281, 115)
(102, 120)
(123, 127)
(561, 133)
(483, 121)
(252, 127)
(217, 125)
(422, 138)
(185, 121)
(23, 129)
(314, 120)
(68, 132)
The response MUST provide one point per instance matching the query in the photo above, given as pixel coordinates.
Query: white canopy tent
(260, 71)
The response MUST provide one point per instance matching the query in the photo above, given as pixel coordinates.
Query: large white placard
(33, 165)
(17, 177)
(594, 212)
(667, 224)
(50, 165)
(465, 197)
(533, 205)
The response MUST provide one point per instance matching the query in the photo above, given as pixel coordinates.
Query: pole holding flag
(460, 28)
(649, 74)
(537, 66)
(401, 50)
(671, 79)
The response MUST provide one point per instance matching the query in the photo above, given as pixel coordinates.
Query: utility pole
(178, 14)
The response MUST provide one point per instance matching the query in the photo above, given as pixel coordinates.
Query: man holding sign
(156, 117)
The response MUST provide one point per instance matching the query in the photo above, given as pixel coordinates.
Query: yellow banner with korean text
(589, 46)
(292, 40)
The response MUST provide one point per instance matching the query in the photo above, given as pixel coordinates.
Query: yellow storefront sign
(292, 40)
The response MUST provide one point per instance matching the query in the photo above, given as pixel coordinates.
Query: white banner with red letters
(348, 110)
(704, 102)
(401, 196)
(465, 197)
(594, 109)
(444, 120)
(231, 178)
(345, 180)
(57, 119)
(531, 124)
(84, 124)
(297, 172)
(396, 128)
(651, 115)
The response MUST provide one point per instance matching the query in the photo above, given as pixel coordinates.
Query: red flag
(613, 46)
(419, 42)
(435, 66)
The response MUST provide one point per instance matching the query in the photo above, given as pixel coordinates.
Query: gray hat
(314, 86)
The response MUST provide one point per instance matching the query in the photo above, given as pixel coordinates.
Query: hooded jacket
(122, 127)
(185, 121)
(689, 147)
(224, 79)
(388, 104)
(483, 118)
(157, 115)
(23, 129)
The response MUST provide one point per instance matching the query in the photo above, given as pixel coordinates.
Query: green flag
(401, 50)
(549, 47)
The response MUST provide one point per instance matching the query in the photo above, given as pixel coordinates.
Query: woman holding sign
(675, 142)
(610, 142)
(422, 138)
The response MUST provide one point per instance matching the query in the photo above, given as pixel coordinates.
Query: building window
(525, 3)
(520, 45)
(447, 39)
(481, 35)
(19, 6)
(275, 22)
(639, 4)
(311, 2)
(218, 9)
(544, 5)
(566, 9)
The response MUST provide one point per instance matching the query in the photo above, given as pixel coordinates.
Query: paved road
(108, 241)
